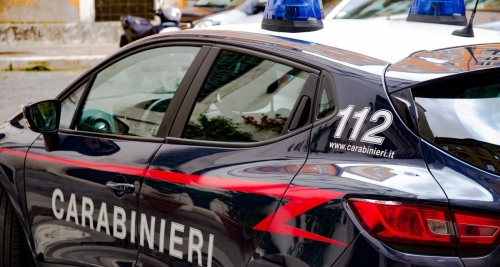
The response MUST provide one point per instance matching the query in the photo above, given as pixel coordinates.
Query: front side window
(131, 96)
(466, 113)
(68, 106)
(245, 99)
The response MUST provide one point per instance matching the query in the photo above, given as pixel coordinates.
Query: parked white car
(487, 16)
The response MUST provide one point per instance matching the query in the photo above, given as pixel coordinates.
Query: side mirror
(43, 117)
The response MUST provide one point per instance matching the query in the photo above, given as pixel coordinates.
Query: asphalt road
(19, 87)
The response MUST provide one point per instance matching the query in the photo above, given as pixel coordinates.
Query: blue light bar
(292, 16)
(438, 11)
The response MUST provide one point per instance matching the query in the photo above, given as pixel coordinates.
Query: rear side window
(462, 117)
(245, 99)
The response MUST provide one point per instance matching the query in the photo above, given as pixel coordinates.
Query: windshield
(487, 5)
(216, 3)
(245, 5)
(362, 9)
(329, 5)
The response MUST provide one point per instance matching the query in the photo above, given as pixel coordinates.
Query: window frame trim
(309, 90)
(270, 57)
(193, 142)
(81, 102)
(84, 80)
(188, 104)
(325, 74)
(113, 136)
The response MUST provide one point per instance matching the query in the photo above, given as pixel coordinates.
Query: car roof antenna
(467, 31)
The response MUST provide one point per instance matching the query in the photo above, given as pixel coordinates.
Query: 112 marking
(360, 116)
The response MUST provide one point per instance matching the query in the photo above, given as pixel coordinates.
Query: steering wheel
(102, 125)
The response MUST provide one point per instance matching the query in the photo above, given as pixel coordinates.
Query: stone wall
(23, 11)
(60, 32)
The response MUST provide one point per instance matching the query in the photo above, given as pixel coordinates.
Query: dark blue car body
(279, 202)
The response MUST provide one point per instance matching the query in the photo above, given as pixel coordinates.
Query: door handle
(121, 187)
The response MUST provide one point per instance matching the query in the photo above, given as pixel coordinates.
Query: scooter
(137, 27)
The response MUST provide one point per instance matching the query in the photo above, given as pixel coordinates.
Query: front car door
(239, 138)
(82, 197)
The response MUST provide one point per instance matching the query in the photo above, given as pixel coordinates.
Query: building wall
(29, 11)
(111, 10)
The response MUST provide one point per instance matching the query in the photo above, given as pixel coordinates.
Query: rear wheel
(10, 233)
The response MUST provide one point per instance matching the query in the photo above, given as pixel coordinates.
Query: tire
(10, 233)
(123, 40)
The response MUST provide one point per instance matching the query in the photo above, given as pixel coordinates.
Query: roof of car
(390, 41)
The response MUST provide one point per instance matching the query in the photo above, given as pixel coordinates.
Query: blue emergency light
(438, 11)
(292, 16)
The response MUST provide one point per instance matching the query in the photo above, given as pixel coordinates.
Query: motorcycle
(137, 27)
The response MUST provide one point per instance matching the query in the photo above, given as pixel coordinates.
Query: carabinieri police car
(351, 143)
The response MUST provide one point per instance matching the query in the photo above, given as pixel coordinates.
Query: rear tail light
(476, 230)
(400, 222)
(403, 223)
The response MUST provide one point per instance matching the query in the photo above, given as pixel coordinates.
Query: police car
(351, 143)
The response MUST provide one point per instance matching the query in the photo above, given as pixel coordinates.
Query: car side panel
(468, 188)
(15, 139)
(226, 195)
(75, 218)
(343, 167)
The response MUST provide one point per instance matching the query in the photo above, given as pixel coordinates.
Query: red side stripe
(12, 152)
(301, 198)
(247, 186)
(136, 171)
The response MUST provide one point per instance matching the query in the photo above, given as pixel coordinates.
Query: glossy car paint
(15, 140)
(81, 166)
(230, 193)
(440, 63)
(403, 177)
(479, 189)
(251, 199)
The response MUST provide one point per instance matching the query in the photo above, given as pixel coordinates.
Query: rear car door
(82, 196)
(240, 137)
